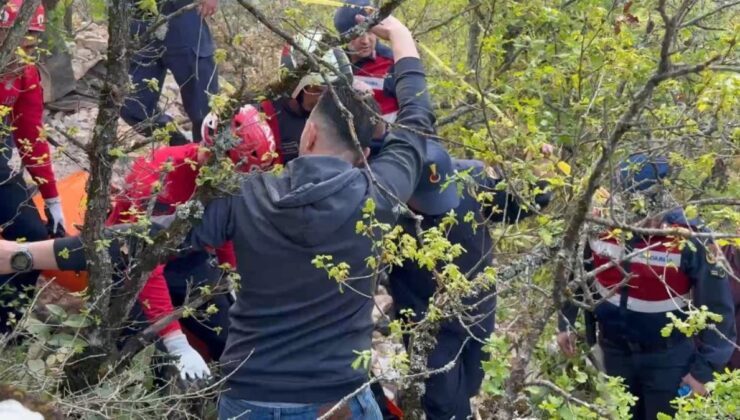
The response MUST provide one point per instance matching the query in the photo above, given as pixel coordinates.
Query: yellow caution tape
(332, 3)
(465, 84)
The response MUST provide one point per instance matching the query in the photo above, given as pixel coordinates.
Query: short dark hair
(363, 119)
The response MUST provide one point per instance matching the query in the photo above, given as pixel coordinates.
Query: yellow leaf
(564, 167)
(219, 56)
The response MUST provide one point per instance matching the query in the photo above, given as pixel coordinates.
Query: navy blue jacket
(294, 333)
(412, 286)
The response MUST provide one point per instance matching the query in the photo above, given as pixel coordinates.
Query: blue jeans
(361, 407)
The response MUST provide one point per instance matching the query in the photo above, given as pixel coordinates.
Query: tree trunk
(85, 370)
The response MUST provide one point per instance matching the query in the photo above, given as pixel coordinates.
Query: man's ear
(313, 135)
(308, 138)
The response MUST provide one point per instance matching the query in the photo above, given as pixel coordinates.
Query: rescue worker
(662, 281)
(22, 107)
(287, 115)
(187, 51)
(372, 62)
(294, 332)
(172, 282)
(447, 395)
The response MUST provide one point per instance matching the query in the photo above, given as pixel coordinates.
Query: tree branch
(708, 14)
(447, 367)
(556, 389)
(17, 32)
(677, 232)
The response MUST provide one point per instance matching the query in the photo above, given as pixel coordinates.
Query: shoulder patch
(717, 271)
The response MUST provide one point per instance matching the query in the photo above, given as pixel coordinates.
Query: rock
(94, 44)
(385, 302)
(51, 292)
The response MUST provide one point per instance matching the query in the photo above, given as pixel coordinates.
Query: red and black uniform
(169, 283)
(22, 107)
(377, 72)
(665, 278)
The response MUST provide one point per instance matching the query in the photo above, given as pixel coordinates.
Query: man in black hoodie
(293, 332)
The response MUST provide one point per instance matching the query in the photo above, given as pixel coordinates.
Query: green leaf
(36, 327)
(56, 310)
(77, 321)
(36, 366)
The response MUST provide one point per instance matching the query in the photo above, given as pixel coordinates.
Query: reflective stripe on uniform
(376, 83)
(390, 117)
(646, 306)
(651, 257)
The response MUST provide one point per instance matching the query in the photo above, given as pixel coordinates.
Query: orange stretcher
(74, 200)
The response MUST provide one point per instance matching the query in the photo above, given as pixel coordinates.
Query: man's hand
(362, 87)
(391, 29)
(567, 343)
(190, 363)
(55, 217)
(547, 149)
(697, 387)
(387, 28)
(207, 8)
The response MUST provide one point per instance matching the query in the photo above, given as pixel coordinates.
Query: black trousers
(654, 377)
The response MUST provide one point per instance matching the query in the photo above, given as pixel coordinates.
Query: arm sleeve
(214, 229)
(711, 288)
(399, 163)
(567, 316)
(389, 83)
(28, 122)
(226, 254)
(156, 302)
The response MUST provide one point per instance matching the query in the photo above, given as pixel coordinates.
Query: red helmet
(10, 13)
(256, 146)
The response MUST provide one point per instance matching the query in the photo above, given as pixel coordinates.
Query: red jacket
(24, 96)
(177, 187)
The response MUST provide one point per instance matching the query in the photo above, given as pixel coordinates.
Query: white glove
(190, 363)
(55, 213)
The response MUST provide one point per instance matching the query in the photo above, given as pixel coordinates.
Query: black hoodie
(294, 332)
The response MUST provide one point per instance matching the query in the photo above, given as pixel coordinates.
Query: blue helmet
(429, 197)
(640, 172)
(344, 17)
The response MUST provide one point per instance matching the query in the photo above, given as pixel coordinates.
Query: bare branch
(556, 389)
(677, 232)
(708, 14)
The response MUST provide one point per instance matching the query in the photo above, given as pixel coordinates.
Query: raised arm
(399, 163)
